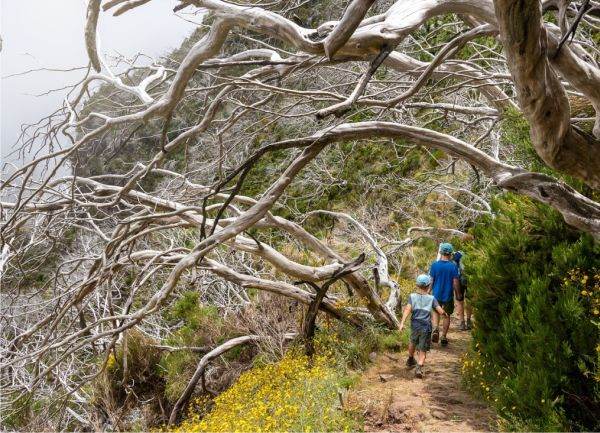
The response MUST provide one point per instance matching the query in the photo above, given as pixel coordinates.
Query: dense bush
(198, 326)
(120, 387)
(535, 284)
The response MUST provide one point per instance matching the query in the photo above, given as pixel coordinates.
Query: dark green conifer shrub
(535, 288)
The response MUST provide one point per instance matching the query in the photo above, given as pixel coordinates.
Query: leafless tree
(112, 248)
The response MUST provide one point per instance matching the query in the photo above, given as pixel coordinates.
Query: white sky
(49, 33)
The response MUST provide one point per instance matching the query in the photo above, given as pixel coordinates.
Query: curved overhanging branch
(358, 283)
(245, 220)
(577, 209)
(541, 94)
(163, 211)
(369, 38)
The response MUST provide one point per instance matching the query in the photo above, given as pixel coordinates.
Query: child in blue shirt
(445, 285)
(420, 303)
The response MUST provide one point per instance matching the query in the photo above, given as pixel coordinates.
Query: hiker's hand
(400, 327)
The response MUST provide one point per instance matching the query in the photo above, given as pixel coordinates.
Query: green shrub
(536, 293)
(350, 347)
(200, 325)
(117, 390)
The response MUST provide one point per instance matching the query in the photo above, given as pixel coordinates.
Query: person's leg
(445, 326)
(435, 319)
(410, 362)
(448, 308)
(411, 349)
(460, 312)
(435, 322)
(422, 347)
(419, 369)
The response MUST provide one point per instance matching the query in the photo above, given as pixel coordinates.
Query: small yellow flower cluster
(293, 394)
(480, 375)
(111, 362)
(588, 285)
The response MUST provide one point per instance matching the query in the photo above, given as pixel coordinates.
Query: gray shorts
(421, 339)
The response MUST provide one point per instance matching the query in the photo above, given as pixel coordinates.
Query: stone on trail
(385, 377)
(396, 411)
(438, 414)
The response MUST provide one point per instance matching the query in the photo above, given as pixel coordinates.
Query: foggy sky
(49, 33)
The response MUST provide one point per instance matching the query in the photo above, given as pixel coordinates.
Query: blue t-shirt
(421, 311)
(443, 272)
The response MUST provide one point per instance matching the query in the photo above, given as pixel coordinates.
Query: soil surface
(391, 398)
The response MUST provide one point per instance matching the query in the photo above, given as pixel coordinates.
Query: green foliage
(200, 325)
(350, 347)
(516, 133)
(16, 416)
(436, 31)
(188, 309)
(120, 386)
(357, 164)
(28, 412)
(536, 289)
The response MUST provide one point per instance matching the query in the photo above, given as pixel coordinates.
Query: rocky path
(392, 399)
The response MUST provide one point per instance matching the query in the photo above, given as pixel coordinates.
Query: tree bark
(541, 95)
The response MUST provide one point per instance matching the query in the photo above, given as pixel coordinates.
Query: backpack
(462, 278)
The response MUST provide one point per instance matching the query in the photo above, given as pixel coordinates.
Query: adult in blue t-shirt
(444, 274)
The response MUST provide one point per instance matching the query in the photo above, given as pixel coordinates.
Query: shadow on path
(392, 399)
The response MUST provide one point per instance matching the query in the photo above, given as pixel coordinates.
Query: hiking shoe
(462, 326)
(444, 342)
(411, 362)
(435, 336)
(419, 372)
(469, 324)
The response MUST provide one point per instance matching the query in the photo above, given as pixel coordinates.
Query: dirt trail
(392, 399)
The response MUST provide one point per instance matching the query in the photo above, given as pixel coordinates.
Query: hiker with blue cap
(420, 304)
(445, 285)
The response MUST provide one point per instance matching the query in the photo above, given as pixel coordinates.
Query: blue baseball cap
(423, 280)
(446, 248)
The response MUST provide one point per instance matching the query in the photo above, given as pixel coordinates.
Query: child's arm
(405, 314)
(441, 311)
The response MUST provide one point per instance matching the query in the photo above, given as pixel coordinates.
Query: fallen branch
(204, 361)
